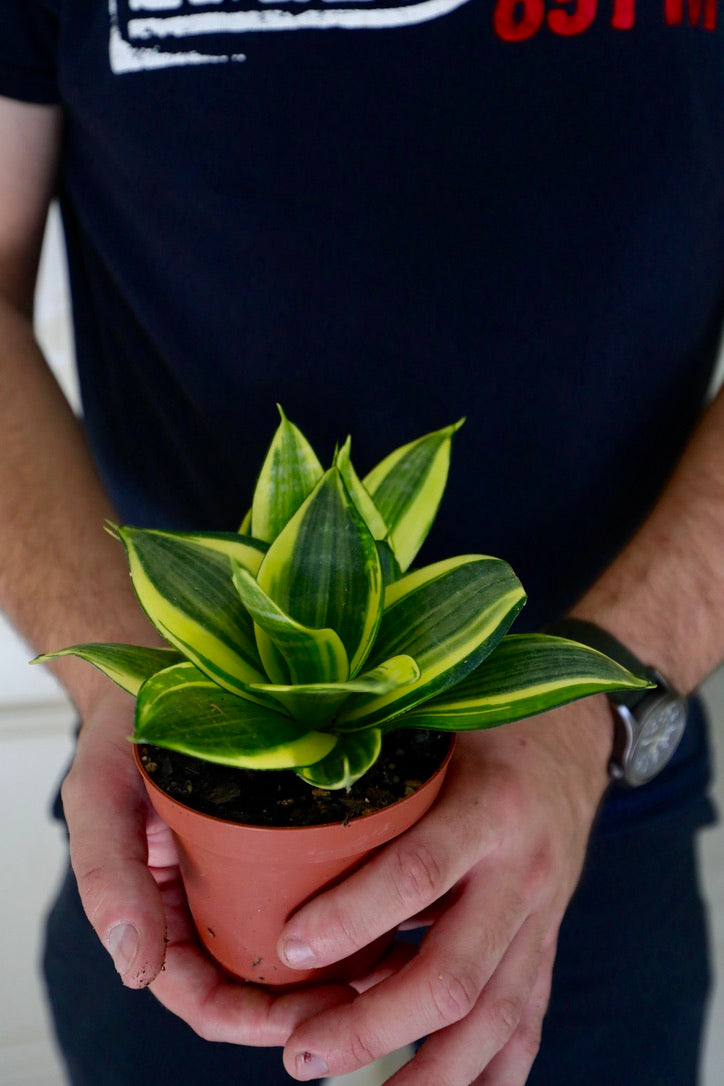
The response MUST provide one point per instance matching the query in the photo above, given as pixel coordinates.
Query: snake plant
(299, 640)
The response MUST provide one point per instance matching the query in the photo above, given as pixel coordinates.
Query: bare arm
(63, 580)
(664, 595)
(62, 577)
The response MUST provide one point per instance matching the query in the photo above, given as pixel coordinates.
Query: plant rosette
(301, 640)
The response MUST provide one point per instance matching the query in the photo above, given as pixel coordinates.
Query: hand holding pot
(493, 865)
(125, 863)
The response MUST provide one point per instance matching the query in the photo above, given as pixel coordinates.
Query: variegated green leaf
(318, 703)
(127, 665)
(526, 674)
(323, 569)
(183, 582)
(390, 567)
(371, 515)
(182, 709)
(448, 617)
(291, 652)
(290, 472)
(348, 760)
(407, 487)
(360, 495)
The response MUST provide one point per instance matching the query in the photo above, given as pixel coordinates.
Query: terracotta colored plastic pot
(243, 882)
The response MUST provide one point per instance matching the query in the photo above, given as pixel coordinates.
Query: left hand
(126, 866)
(492, 867)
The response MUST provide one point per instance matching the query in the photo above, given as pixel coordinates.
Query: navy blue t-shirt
(384, 216)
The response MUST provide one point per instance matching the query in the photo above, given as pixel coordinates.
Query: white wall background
(35, 728)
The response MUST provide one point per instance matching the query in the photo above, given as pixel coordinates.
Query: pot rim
(374, 822)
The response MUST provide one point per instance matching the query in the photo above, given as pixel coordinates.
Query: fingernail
(123, 943)
(298, 954)
(310, 1066)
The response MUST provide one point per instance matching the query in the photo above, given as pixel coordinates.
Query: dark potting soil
(280, 798)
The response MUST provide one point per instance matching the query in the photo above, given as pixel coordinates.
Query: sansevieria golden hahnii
(300, 640)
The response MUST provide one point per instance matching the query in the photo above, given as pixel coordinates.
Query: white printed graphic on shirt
(153, 33)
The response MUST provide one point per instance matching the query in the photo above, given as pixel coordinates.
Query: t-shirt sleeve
(28, 40)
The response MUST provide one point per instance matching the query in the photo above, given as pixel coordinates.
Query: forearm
(63, 579)
(664, 595)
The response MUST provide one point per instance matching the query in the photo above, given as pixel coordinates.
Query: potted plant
(299, 649)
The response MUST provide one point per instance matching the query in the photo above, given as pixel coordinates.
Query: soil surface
(280, 798)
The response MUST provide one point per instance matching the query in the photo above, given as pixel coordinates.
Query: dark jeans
(629, 995)
(632, 977)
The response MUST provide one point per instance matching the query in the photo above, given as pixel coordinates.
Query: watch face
(661, 728)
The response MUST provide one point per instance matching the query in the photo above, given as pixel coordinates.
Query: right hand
(125, 863)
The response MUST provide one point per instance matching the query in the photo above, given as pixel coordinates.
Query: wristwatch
(649, 723)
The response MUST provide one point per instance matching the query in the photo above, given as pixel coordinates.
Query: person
(384, 217)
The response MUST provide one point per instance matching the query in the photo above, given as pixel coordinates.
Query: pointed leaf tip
(288, 475)
(407, 488)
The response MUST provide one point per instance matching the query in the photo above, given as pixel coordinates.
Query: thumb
(107, 811)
